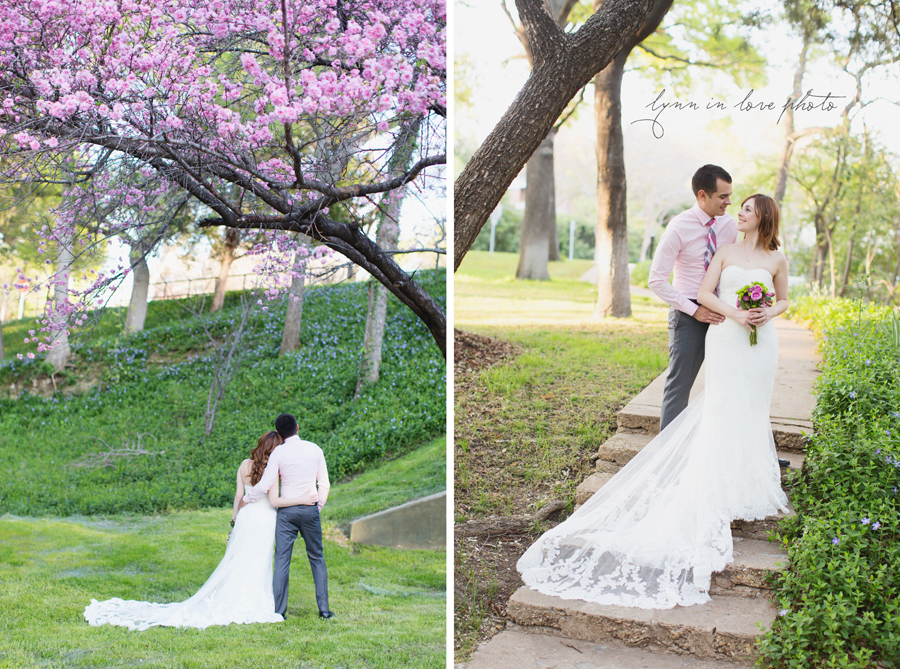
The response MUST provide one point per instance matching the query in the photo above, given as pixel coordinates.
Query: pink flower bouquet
(753, 296)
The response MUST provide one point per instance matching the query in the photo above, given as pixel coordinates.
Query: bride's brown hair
(259, 457)
(769, 217)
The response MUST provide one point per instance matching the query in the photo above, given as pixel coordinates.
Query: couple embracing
(244, 588)
(654, 534)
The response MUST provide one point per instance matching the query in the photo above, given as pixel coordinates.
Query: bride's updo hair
(260, 456)
(769, 216)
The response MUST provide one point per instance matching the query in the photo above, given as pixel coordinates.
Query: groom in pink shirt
(687, 246)
(304, 475)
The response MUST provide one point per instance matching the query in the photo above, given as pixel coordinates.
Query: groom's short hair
(286, 425)
(706, 179)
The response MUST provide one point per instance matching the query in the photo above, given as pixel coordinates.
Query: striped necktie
(710, 244)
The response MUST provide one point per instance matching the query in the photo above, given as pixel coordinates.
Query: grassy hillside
(153, 386)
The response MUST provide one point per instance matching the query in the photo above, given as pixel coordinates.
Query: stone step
(623, 446)
(642, 419)
(759, 529)
(747, 575)
(724, 628)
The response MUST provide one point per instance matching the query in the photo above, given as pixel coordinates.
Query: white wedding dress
(239, 590)
(653, 535)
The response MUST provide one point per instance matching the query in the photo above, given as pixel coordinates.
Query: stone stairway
(725, 629)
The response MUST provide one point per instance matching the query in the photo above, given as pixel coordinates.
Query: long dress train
(238, 591)
(653, 535)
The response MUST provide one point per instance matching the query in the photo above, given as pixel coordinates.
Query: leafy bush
(641, 274)
(840, 601)
(155, 383)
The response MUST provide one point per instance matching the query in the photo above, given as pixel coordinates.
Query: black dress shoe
(784, 463)
(326, 614)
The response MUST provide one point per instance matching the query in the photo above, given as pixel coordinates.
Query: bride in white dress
(240, 589)
(653, 535)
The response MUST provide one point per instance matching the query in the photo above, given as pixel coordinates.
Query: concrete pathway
(552, 632)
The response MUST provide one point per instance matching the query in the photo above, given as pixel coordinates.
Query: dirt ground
(487, 549)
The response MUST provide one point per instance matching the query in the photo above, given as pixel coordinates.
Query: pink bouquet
(753, 296)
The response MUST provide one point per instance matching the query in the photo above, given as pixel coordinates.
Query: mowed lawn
(390, 604)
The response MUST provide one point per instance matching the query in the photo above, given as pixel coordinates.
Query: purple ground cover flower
(864, 521)
(876, 525)
(852, 394)
(835, 541)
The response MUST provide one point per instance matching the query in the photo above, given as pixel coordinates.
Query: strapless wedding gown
(239, 590)
(653, 535)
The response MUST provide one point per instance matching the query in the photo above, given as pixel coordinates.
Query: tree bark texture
(539, 225)
(140, 290)
(613, 291)
(59, 355)
(563, 64)
(790, 138)
(376, 317)
(293, 319)
(232, 239)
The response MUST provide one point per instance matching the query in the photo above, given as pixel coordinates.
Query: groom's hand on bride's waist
(706, 315)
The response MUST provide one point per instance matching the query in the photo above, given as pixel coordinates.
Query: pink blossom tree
(265, 113)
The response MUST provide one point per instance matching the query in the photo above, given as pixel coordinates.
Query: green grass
(390, 604)
(526, 428)
(420, 473)
(154, 385)
(486, 293)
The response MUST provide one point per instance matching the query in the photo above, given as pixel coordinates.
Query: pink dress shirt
(301, 464)
(682, 247)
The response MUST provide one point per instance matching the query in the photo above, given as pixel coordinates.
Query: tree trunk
(370, 364)
(58, 356)
(385, 238)
(845, 276)
(293, 319)
(539, 225)
(137, 307)
(563, 64)
(789, 138)
(232, 238)
(611, 255)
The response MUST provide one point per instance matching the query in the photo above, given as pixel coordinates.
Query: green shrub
(840, 601)
(154, 386)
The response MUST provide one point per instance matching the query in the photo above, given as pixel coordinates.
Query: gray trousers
(290, 521)
(687, 347)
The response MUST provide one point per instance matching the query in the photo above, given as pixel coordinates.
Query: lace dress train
(653, 535)
(238, 591)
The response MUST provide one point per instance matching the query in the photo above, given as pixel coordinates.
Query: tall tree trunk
(563, 64)
(232, 238)
(293, 319)
(539, 224)
(830, 239)
(790, 139)
(58, 356)
(845, 275)
(611, 255)
(386, 238)
(137, 307)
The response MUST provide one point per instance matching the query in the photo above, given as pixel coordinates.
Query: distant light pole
(652, 239)
(495, 218)
(571, 240)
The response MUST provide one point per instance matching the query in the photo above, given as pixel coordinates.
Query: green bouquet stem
(752, 335)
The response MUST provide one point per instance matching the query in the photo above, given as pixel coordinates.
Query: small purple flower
(897, 414)
(868, 362)
(746, 298)
(852, 394)
(876, 525)
(864, 521)
(895, 490)
(878, 451)
(782, 612)
(835, 541)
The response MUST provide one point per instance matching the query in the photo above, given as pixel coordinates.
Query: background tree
(254, 110)
(716, 33)
(563, 63)
(539, 224)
